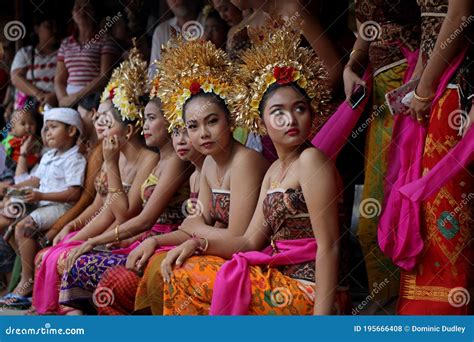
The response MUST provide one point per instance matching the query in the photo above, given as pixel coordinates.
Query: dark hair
(213, 14)
(212, 97)
(90, 101)
(274, 87)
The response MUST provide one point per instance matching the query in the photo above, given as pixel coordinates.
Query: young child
(59, 176)
(22, 125)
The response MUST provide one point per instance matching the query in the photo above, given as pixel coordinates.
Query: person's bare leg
(27, 249)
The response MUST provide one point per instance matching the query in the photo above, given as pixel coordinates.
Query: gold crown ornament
(187, 68)
(128, 87)
(279, 58)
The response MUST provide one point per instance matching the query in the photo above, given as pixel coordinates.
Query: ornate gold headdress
(128, 86)
(279, 58)
(188, 67)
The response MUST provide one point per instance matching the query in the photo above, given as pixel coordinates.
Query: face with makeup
(287, 116)
(183, 146)
(155, 127)
(207, 124)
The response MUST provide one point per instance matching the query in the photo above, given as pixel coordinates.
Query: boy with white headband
(58, 181)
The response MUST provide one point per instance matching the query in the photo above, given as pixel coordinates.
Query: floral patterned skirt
(273, 293)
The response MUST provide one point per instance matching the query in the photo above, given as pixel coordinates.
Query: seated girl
(295, 225)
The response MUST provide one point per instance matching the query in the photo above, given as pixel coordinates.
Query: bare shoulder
(246, 157)
(313, 158)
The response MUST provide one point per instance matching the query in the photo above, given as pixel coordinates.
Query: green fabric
(6, 143)
(16, 274)
(240, 134)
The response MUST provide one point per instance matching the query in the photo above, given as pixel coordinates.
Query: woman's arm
(448, 45)
(245, 186)
(60, 81)
(317, 172)
(20, 82)
(102, 220)
(125, 206)
(171, 179)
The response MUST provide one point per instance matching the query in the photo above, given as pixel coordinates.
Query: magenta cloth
(399, 234)
(232, 292)
(157, 228)
(332, 137)
(457, 158)
(45, 290)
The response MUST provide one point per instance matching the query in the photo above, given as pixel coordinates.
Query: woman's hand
(68, 101)
(111, 149)
(351, 80)
(50, 99)
(420, 110)
(77, 252)
(178, 256)
(138, 258)
(70, 227)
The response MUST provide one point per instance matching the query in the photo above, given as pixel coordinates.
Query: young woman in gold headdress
(296, 214)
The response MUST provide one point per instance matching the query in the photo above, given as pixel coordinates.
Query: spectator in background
(34, 67)
(184, 11)
(85, 59)
(215, 28)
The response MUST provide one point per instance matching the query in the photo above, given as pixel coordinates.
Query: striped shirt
(83, 61)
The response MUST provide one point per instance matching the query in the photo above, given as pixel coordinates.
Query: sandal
(13, 300)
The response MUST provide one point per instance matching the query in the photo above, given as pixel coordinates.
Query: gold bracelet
(117, 234)
(114, 190)
(423, 99)
(354, 51)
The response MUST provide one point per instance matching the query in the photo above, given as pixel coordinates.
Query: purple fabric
(332, 137)
(399, 233)
(232, 292)
(45, 290)
(458, 158)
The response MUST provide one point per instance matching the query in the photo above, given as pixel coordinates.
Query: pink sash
(45, 290)
(399, 234)
(232, 292)
(457, 158)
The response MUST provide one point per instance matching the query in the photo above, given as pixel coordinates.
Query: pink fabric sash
(232, 293)
(457, 158)
(45, 290)
(399, 234)
(157, 228)
(334, 134)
